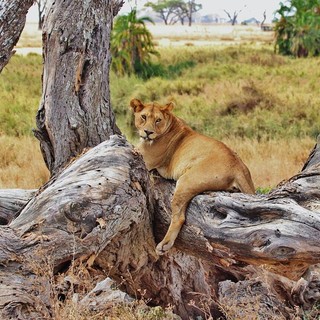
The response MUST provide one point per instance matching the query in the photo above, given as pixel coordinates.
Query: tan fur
(198, 163)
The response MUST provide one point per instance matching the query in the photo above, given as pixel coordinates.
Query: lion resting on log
(198, 163)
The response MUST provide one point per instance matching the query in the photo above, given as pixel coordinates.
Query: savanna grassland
(264, 106)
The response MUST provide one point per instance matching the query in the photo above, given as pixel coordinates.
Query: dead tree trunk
(100, 210)
(11, 202)
(75, 110)
(12, 21)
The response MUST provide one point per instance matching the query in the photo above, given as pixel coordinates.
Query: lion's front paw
(163, 246)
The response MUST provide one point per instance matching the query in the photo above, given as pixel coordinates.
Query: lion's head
(151, 119)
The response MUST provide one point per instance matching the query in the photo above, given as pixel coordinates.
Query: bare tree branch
(12, 21)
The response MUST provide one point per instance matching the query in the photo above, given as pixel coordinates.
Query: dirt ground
(208, 34)
(169, 36)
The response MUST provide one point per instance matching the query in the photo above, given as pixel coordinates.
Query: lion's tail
(245, 183)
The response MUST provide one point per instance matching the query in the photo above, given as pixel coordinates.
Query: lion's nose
(148, 132)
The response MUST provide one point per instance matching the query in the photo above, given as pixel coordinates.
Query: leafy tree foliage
(166, 9)
(171, 11)
(298, 29)
(132, 44)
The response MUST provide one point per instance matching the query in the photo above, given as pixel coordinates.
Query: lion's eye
(158, 120)
(143, 117)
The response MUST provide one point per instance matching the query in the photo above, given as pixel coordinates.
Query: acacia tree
(166, 9)
(171, 11)
(101, 209)
(187, 9)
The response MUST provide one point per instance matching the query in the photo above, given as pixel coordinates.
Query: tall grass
(250, 93)
(272, 161)
(262, 105)
(21, 163)
(20, 87)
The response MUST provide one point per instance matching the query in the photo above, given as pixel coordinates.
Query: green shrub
(132, 45)
(298, 29)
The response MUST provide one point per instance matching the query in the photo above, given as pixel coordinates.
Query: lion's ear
(168, 107)
(136, 105)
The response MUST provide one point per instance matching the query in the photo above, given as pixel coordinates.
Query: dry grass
(270, 162)
(65, 293)
(21, 163)
(273, 161)
(177, 35)
(31, 37)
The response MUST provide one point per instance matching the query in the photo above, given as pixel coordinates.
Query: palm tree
(131, 44)
(298, 29)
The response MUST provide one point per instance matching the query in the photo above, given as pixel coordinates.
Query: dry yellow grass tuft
(273, 161)
(21, 163)
(270, 162)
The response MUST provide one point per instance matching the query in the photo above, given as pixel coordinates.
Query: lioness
(198, 163)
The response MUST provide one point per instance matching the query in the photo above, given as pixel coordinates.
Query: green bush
(298, 29)
(132, 45)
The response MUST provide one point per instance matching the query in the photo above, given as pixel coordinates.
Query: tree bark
(75, 110)
(11, 202)
(99, 211)
(12, 21)
(101, 208)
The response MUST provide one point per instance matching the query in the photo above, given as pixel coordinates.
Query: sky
(249, 8)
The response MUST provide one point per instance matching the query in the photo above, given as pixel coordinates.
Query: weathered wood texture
(280, 229)
(102, 209)
(75, 110)
(99, 210)
(12, 21)
(314, 157)
(11, 202)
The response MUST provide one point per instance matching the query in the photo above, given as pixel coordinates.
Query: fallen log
(11, 202)
(98, 211)
(280, 229)
(103, 210)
